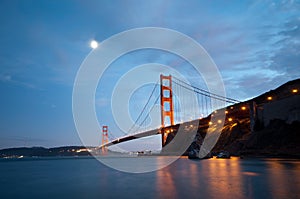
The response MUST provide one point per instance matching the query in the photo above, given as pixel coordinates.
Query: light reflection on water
(137, 164)
(165, 184)
(211, 178)
(224, 176)
(283, 178)
(230, 178)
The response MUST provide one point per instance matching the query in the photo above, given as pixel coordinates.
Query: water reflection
(132, 164)
(224, 178)
(282, 178)
(194, 172)
(206, 178)
(212, 178)
(165, 184)
(229, 178)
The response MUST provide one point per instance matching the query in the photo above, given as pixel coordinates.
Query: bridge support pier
(166, 104)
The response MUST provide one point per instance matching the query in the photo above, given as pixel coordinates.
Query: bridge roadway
(132, 137)
(202, 123)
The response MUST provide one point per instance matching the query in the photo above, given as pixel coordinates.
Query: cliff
(269, 126)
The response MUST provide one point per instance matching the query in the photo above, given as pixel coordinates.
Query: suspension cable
(207, 93)
(151, 108)
(143, 108)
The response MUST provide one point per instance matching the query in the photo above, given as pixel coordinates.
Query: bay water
(86, 177)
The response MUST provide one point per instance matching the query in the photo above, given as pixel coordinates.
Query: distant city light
(295, 90)
(230, 119)
(94, 44)
(270, 98)
(226, 112)
(219, 121)
(243, 108)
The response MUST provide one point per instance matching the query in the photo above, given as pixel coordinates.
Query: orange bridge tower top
(166, 104)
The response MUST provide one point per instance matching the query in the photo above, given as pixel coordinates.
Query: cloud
(9, 79)
(287, 58)
(5, 78)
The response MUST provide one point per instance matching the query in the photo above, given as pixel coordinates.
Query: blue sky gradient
(255, 45)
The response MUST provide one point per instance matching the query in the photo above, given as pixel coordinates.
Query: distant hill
(44, 152)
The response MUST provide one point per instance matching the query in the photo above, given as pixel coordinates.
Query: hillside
(269, 126)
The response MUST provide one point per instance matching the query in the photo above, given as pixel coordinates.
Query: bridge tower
(104, 138)
(166, 104)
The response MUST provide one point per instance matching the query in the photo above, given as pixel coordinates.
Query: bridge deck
(132, 137)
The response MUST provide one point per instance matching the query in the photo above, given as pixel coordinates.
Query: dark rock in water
(193, 154)
(223, 154)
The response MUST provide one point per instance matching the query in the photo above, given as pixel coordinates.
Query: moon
(94, 44)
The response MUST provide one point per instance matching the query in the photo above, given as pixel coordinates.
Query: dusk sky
(255, 45)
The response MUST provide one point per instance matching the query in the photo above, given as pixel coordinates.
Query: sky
(255, 45)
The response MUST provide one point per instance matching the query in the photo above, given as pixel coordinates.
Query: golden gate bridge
(172, 110)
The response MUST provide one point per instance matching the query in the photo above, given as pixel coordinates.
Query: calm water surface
(212, 178)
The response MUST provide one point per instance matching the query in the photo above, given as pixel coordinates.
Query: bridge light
(295, 90)
(269, 98)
